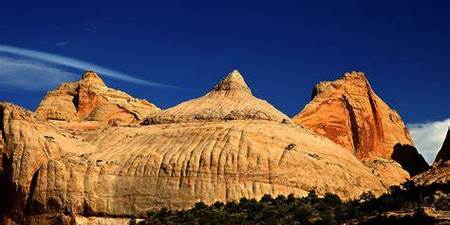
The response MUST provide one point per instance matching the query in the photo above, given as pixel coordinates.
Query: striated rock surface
(28, 144)
(348, 112)
(90, 99)
(207, 151)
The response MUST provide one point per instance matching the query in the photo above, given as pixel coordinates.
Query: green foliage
(313, 209)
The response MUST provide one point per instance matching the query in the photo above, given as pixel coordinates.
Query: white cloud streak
(29, 75)
(78, 64)
(428, 137)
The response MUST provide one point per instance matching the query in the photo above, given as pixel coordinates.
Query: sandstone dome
(230, 99)
(118, 172)
(91, 100)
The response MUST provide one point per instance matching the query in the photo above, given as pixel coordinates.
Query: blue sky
(282, 47)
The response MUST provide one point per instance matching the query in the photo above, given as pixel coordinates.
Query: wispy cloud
(90, 28)
(26, 74)
(428, 137)
(62, 43)
(61, 61)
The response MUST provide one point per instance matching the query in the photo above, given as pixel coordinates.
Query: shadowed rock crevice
(3, 171)
(353, 124)
(410, 159)
(314, 93)
(440, 171)
(31, 206)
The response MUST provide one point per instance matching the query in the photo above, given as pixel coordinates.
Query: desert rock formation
(348, 112)
(90, 99)
(223, 146)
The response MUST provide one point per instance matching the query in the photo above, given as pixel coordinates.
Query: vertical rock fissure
(30, 207)
(378, 124)
(353, 124)
(8, 190)
(76, 98)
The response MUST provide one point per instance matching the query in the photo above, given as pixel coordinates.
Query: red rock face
(349, 112)
(90, 99)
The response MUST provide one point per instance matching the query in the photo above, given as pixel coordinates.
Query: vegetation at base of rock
(312, 209)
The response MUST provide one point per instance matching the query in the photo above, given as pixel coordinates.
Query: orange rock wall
(348, 112)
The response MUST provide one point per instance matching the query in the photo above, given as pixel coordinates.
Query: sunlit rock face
(90, 99)
(348, 112)
(223, 146)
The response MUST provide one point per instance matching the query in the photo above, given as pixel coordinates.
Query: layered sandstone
(90, 99)
(348, 112)
(201, 150)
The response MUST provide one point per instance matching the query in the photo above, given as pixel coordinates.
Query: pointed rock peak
(443, 157)
(233, 82)
(355, 75)
(231, 99)
(90, 77)
(356, 78)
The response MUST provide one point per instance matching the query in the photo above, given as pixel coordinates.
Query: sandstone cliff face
(201, 150)
(348, 112)
(90, 99)
(28, 143)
